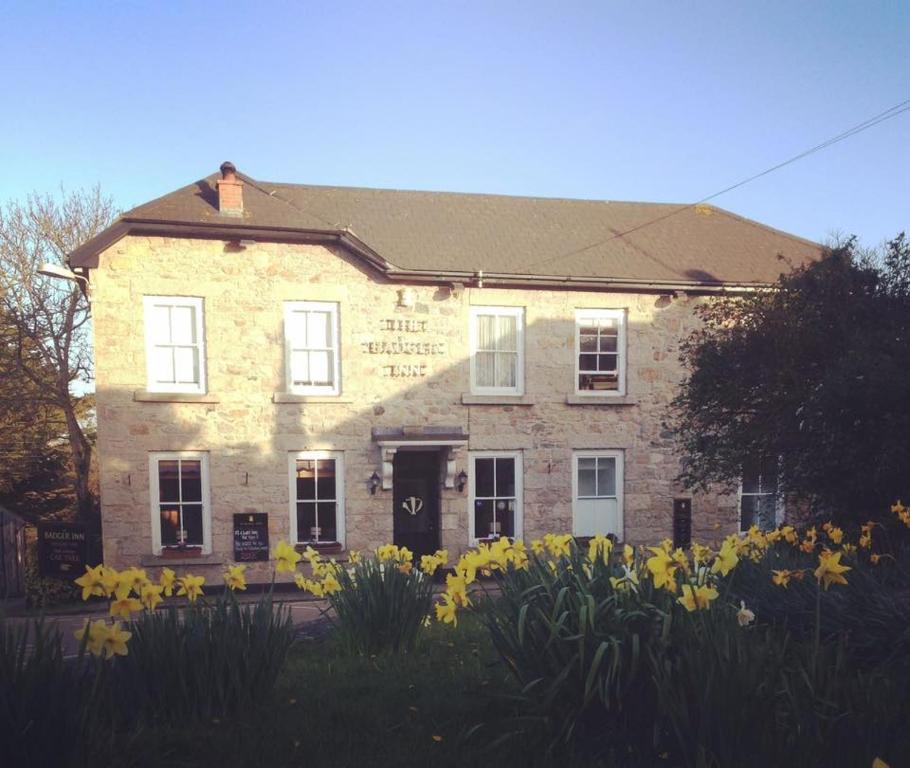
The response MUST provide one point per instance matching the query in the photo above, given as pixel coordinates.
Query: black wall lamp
(374, 482)
(461, 481)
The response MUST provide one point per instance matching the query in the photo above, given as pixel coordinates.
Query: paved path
(306, 614)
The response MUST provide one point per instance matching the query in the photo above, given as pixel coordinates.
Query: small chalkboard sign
(251, 537)
(62, 549)
(682, 523)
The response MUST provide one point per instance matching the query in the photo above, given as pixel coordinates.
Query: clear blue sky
(659, 101)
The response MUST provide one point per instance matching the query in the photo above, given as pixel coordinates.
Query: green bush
(381, 604)
(53, 711)
(211, 660)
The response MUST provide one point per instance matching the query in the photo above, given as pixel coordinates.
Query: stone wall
(249, 436)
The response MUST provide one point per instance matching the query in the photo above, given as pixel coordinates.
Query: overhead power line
(888, 114)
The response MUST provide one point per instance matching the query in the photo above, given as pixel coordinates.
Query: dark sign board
(682, 523)
(62, 549)
(251, 537)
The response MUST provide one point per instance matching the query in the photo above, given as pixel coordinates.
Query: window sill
(497, 400)
(143, 396)
(326, 546)
(168, 560)
(289, 397)
(599, 399)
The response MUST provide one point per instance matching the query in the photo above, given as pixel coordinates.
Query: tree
(812, 375)
(44, 323)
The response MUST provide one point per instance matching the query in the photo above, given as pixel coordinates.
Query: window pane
(587, 478)
(186, 370)
(300, 369)
(168, 481)
(505, 477)
(192, 524)
(162, 365)
(326, 517)
(505, 517)
(507, 340)
(159, 321)
(587, 363)
(306, 479)
(325, 480)
(306, 521)
(486, 332)
(170, 524)
(191, 480)
(296, 329)
(766, 511)
(319, 335)
(593, 516)
(606, 362)
(483, 477)
(587, 342)
(606, 477)
(748, 512)
(751, 476)
(506, 364)
(483, 518)
(484, 366)
(320, 368)
(183, 325)
(608, 341)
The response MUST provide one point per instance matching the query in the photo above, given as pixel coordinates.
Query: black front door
(416, 501)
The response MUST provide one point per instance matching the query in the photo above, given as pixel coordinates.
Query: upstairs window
(600, 352)
(597, 493)
(760, 501)
(179, 490)
(311, 347)
(497, 350)
(317, 498)
(495, 485)
(175, 349)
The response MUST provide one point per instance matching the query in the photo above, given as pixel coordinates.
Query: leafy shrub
(211, 660)
(45, 591)
(380, 602)
(52, 710)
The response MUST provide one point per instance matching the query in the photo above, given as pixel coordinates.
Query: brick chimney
(230, 191)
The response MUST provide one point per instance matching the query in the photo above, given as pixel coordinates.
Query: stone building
(348, 367)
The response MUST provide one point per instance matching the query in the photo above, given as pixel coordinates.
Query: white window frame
(608, 453)
(518, 457)
(779, 508)
(199, 388)
(331, 308)
(519, 314)
(615, 314)
(338, 456)
(155, 496)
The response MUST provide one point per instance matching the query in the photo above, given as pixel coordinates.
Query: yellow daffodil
(537, 546)
(428, 564)
(558, 545)
(445, 611)
(300, 580)
(600, 546)
(110, 579)
(330, 584)
(879, 763)
(744, 616)
(727, 558)
(190, 586)
(701, 554)
(92, 582)
(849, 549)
(835, 534)
(150, 596)
(405, 568)
(134, 579)
(286, 558)
(697, 598)
(808, 544)
(790, 535)
(829, 570)
(628, 555)
(167, 580)
(115, 641)
(772, 537)
(457, 589)
(235, 578)
(97, 631)
(663, 569)
(681, 558)
(781, 578)
(124, 607)
(354, 557)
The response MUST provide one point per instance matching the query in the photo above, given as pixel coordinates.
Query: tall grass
(211, 660)
(53, 711)
(381, 605)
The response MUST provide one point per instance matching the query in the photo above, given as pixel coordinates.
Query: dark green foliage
(813, 372)
(380, 608)
(53, 711)
(208, 661)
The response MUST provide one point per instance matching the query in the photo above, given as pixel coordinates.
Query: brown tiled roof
(444, 233)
